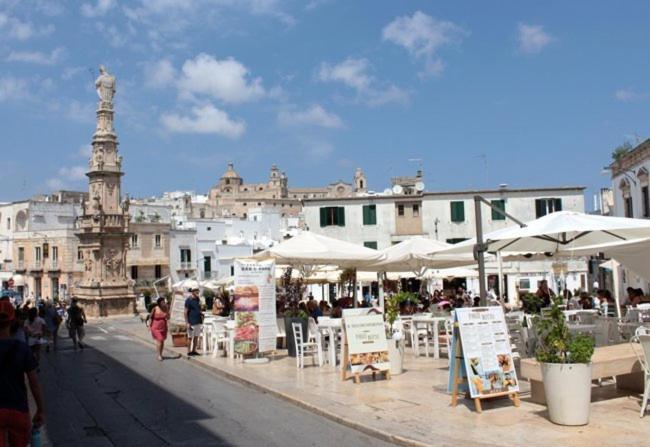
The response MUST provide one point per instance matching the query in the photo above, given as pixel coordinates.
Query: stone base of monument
(106, 301)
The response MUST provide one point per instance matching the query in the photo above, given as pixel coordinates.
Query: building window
(80, 255)
(416, 210)
(207, 264)
(370, 214)
(21, 257)
(134, 272)
(498, 205)
(55, 256)
(629, 209)
(646, 201)
(202, 213)
(457, 211)
(157, 240)
(157, 271)
(547, 206)
(38, 256)
(134, 241)
(186, 258)
(400, 210)
(370, 244)
(332, 216)
(456, 240)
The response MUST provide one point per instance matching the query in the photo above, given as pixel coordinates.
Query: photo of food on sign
(247, 299)
(492, 381)
(246, 333)
(369, 358)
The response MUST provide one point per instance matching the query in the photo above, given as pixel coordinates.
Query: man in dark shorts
(194, 321)
(17, 362)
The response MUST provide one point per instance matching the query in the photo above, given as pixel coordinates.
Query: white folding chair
(305, 347)
(446, 345)
(642, 336)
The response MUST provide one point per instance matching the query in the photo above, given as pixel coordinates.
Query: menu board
(367, 345)
(254, 305)
(177, 311)
(486, 351)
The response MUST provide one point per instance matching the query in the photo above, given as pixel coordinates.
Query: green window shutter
(370, 244)
(340, 216)
(457, 211)
(500, 204)
(370, 214)
(323, 217)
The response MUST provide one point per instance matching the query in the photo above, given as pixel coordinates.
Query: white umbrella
(308, 248)
(412, 255)
(455, 272)
(186, 284)
(634, 254)
(560, 232)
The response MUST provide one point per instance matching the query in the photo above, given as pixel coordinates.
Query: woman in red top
(159, 317)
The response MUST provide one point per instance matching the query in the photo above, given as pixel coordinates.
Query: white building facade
(379, 221)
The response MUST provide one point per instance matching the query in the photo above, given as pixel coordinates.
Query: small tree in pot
(395, 335)
(565, 360)
(293, 290)
(208, 296)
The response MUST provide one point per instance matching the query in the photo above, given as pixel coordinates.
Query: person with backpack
(17, 362)
(76, 321)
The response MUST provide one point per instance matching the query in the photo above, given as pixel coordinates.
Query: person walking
(194, 321)
(17, 362)
(35, 329)
(76, 321)
(52, 322)
(158, 327)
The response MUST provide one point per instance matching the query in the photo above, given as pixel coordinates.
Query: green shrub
(556, 344)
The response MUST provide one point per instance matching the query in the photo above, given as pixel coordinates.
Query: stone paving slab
(414, 408)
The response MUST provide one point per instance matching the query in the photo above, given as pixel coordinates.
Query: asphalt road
(115, 393)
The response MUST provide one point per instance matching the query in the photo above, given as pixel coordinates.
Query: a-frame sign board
(481, 357)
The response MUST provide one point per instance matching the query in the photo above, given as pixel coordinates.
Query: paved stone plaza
(413, 408)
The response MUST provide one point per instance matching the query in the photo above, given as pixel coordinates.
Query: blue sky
(541, 90)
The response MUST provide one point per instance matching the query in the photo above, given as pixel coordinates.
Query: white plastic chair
(305, 347)
(219, 336)
(420, 331)
(642, 336)
(447, 338)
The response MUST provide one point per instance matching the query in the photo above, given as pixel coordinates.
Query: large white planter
(568, 392)
(396, 355)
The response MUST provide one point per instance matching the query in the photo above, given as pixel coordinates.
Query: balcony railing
(38, 264)
(207, 275)
(21, 265)
(186, 266)
(54, 264)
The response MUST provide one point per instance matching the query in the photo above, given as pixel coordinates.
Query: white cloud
(227, 80)
(73, 173)
(354, 74)
(81, 112)
(315, 115)
(19, 30)
(99, 9)
(422, 36)
(36, 57)
(12, 88)
(159, 74)
(55, 184)
(70, 72)
(204, 120)
(116, 38)
(630, 95)
(532, 38)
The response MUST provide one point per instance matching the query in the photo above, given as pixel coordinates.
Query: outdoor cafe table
(331, 327)
(568, 314)
(433, 322)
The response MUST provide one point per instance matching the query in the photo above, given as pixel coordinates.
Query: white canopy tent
(410, 255)
(570, 234)
(313, 249)
(187, 283)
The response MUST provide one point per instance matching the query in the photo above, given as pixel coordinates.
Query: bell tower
(103, 228)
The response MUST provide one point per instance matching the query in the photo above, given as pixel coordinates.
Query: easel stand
(458, 379)
(345, 362)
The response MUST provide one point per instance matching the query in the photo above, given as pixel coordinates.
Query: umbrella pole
(380, 288)
(501, 288)
(354, 288)
(479, 249)
(616, 273)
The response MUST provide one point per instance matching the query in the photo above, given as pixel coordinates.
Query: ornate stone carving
(113, 262)
(105, 85)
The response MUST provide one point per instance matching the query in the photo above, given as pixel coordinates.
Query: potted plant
(394, 335)
(295, 315)
(531, 303)
(179, 335)
(565, 360)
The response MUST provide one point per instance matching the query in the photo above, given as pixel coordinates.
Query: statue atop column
(105, 85)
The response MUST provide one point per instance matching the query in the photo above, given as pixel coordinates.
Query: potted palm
(565, 360)
(394, 334)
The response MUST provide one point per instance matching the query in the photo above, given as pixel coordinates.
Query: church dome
(230, 172)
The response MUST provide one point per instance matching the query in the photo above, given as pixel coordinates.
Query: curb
(370, 431)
